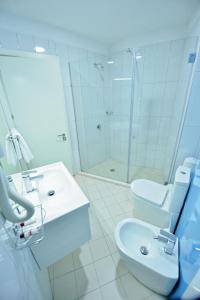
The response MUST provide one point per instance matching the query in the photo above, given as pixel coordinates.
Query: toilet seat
(151, 191)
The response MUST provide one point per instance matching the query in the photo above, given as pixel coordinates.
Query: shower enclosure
(129, 108)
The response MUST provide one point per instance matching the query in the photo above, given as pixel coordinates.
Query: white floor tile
(103, 214)
(86, 280)
(63, 266)
(109, 200)
(98, 204)
(95, 295)
(110, 240)
(105, 269)
(155, 296)
(133, 288)
(96, 231)
(99, 249)
(113, 290)
(126, 206)
(82, 256)
(114, 209)
(119, 218)
(120, 173)
(121, 269)
(108, 226)
(65, 287)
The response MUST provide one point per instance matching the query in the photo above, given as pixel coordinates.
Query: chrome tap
(168, 238)
(27, 178)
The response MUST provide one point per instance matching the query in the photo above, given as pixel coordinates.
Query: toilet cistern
(158, 204)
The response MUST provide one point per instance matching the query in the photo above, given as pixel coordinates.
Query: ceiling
(106, 21)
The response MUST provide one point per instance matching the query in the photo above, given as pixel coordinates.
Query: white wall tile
(8, 40)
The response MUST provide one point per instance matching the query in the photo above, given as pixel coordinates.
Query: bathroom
(99, 149)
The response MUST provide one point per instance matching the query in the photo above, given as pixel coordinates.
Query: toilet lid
(149, 190)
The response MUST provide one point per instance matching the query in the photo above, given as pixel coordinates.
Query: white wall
(151, 38)
(22, 35)
(51, 33)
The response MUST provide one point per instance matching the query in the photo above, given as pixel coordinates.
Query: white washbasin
(66, 222)
(157, 269)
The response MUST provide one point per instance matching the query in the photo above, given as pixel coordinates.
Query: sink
(66, 218)
(145, 257)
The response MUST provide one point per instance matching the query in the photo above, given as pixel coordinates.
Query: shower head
(129, 50)
(99, 66)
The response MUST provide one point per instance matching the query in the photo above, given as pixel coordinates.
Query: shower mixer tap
(109, 113)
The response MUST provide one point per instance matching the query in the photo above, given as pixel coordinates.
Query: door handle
(62, 136)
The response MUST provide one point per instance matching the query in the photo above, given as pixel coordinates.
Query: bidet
(146, 257)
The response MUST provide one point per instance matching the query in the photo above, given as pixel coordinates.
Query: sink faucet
(168, 238)
(28, 177)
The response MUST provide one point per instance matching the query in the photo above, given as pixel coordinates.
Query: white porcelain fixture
(145, 256)
(160, 204)
(66, 222)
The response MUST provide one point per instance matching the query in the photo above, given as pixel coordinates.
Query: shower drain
(112, 170)
(144, 250)
(51, 193)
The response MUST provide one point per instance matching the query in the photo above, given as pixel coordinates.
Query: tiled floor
(95, 271)
(120, 171)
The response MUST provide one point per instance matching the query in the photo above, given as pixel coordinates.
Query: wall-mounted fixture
(122, 78)
(110, 62)
(39, 49)
(138, 56)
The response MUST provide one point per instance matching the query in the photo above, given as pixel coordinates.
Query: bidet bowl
(144, 256)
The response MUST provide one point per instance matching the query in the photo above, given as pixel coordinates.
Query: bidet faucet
(26, 176)
(168, 238)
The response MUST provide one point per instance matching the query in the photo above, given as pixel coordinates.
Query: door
(36, 96)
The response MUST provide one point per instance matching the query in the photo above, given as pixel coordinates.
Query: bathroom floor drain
(144, 250)
(112, 170)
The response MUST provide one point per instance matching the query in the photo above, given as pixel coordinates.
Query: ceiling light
(122, 78)
(110, 62)
(39, 49)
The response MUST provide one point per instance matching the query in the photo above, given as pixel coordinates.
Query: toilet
(160, 204)
(156, 207)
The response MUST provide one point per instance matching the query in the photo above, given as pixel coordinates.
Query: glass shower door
(162, 74)
(102, 99)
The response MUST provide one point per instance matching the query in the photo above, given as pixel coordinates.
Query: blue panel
(188, 231)
(191, 58)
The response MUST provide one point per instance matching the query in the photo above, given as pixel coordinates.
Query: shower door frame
(132, 51)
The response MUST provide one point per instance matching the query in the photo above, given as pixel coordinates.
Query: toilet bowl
(145, 256)
(160, 204)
